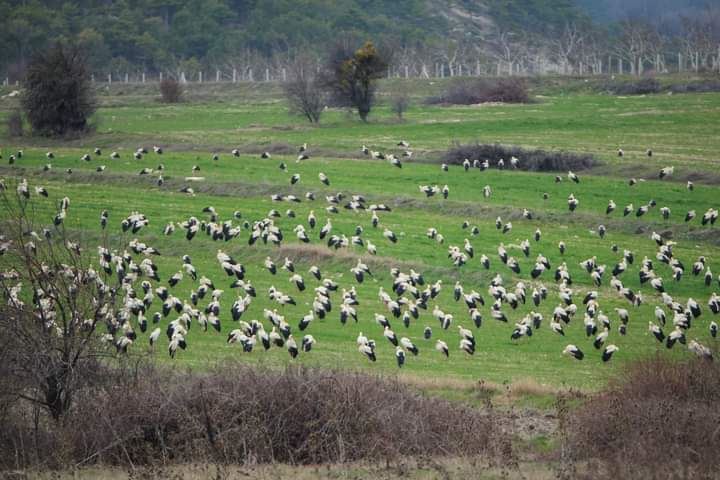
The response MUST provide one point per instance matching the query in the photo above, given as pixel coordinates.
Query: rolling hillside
(154, 34)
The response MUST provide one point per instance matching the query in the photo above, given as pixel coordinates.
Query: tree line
(248, 40)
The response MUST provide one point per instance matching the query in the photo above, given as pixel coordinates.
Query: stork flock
(401, 301)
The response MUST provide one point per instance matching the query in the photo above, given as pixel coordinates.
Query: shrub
(696, 87)
(170, 90)
(658, 420)
(58, 95)
(15, 124)
(242, 414)
(471, 92)
(644, 86)
(399, 104)
(533, 160)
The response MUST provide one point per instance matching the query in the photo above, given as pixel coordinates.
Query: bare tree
(657, 43)
(701, 38)
(54, 302)
(399, 104)
(452, 52)
(567, 47)
(304, 91)
(633, 44)
(593, 51)
(505, 49)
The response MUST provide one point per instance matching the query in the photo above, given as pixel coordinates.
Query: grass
(681, 129)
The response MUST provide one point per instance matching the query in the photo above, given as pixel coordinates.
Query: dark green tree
(352, 76)
(58, 97)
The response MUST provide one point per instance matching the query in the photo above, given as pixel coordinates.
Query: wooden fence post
(234, 80)
(161, 76)
(109, 78)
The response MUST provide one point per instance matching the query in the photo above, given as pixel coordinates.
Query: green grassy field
(681, 129)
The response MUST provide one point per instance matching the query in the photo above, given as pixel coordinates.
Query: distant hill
(530, 16)
(153, 34)
(604, 11)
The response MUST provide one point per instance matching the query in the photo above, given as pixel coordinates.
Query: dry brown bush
(472, 92)
(399, 104)
(658, 420)
(14, 124)
(241, 415)
(532, 160)
(644, 86)
(170, 90)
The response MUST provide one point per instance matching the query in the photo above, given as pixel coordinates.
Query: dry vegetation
(171, 91)
(14, 123)
(474, 91)
(241, 415)
(532, 160)
(644, 86)
(659, 420)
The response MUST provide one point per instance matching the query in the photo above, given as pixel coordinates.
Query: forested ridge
(160, 34)
(192, 36)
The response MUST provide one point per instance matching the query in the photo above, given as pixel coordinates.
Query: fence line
(438, 70)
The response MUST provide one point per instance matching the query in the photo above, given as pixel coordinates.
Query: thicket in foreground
(660, 419)
(58, 96)
(241, 414)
